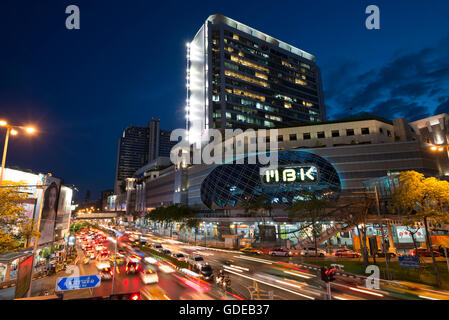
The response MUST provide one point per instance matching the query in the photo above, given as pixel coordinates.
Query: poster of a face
(48, 218)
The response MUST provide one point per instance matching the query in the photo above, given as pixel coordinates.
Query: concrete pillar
(390, 237)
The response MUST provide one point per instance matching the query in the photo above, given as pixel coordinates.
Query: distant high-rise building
(160, 144)
(239, 77)
(139, 146)
(132, 153)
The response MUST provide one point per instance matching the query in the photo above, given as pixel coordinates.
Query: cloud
(444, 106)
(410, 85)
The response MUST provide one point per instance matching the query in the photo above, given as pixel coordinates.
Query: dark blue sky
(126, 64)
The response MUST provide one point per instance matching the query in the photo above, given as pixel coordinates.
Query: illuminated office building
(238, 77)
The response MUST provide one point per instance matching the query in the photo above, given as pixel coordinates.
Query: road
(252, 277)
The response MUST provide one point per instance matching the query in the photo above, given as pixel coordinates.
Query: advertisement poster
(49, 210)
(24, 277)
(404, 236)
(63, 212)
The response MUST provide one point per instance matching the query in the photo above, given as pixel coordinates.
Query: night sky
(126, 64)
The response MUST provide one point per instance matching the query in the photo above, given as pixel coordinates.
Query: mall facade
(327, 159)
(55, 219)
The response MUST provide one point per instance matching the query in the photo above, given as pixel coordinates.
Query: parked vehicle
(311, 252)
(423, 252)
(347, 253)
(280, 252)
(391, 254)
(250, 250)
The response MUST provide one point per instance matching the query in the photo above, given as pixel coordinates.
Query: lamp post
(10, 129)
(115, 258)
(36, 239)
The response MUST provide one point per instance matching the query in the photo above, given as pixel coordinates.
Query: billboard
(404, 235)
(23, 277)
(49, 210)
(63, 212)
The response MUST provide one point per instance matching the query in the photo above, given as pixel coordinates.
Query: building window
(349, 132)
(306, 136)
(287, 105)
(280, 138)
(235, 37)
(321, 135)
(381, 130)
(335, 133)
(389, 133)
(293, 137)
(365, 130)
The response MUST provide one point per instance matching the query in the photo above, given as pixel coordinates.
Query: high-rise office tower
(132, 153)
(238, 77)
(138, 146)
(160, 144)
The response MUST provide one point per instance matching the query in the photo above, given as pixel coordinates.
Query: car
(250, 250)
(206, 272)
(157, 246)
(153, 293)
(179, 256)
(100, 265)
(121, 253)
(391, 254)
(166, 251)
(310, 252)
(86, 260)
(91, 254)
(347, 253)
(132, 266)
(148, 275)
(106, 274)
(280, 252)
(423, 252)
(196, 261)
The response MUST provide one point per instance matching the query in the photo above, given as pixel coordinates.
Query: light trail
(366, 291)
(253, 259)
(271, 285)
(230, 268)
(238, 267)
(298, 275)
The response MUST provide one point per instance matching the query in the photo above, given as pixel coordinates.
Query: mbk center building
(325, 159)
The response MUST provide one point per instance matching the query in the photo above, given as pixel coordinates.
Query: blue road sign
(75, 283)
(409, 261)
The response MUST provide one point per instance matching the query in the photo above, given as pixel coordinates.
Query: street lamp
(11, 129)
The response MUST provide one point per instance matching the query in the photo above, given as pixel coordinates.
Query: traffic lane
(256, 264)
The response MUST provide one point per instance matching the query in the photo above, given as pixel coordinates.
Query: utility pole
(36, 239)
(386, 255)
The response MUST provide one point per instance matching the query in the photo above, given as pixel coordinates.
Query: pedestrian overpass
(98, 215)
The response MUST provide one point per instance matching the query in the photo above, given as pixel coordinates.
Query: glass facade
(228, 185)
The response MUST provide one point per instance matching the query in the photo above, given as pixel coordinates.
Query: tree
(354, 211)
(310, 209)
(192, 224)
(15, 227)
(259, 207)
(423, 199)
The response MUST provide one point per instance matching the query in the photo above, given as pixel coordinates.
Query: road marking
(253, 259)
(272, 285)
